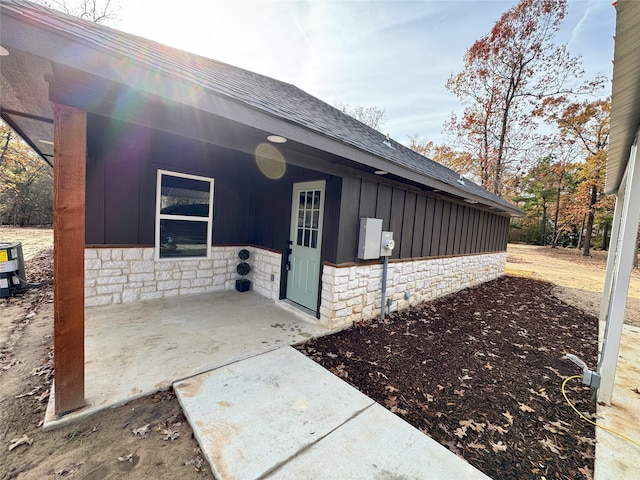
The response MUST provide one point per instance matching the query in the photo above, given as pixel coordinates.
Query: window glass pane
(183, 238)
(314, 239)
(306, 238)
(300, 218)
(307, 219)
(316, 216)
(299, 239)
(302, 197)
(316, 200)
(184, 196)
(309, 199)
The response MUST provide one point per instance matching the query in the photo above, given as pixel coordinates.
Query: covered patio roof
(625, 100)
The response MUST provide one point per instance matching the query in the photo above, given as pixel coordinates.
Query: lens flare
(270, 161)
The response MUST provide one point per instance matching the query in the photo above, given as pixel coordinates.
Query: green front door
(303, 276)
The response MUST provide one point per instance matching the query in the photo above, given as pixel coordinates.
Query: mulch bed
(480, 372)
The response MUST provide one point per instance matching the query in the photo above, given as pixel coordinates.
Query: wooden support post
(69, 178)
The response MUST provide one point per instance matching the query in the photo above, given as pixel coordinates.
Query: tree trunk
(5, 146)
(590, 217)
(581, 232)
(605, 237)
(554, 239)
(543, 226)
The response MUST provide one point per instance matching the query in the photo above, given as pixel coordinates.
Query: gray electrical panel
(369, 238)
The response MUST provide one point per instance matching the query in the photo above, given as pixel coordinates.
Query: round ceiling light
(381, 172)
(3, 51)
(276, 139)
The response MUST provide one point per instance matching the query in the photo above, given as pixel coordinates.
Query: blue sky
(396, 55)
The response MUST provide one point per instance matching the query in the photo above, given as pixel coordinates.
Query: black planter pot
(243, 285)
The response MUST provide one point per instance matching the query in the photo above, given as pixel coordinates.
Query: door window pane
(308, 218)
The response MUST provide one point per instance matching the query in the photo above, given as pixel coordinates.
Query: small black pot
(243, 285)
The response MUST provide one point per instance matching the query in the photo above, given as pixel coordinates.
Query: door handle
(287, 266)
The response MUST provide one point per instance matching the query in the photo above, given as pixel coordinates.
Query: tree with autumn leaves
(26, 183)
(526, 132)
(509, 76)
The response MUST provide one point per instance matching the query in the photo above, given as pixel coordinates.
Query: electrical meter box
(386, 244)
(369, 238)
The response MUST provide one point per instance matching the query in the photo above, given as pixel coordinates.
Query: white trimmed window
(184, 215)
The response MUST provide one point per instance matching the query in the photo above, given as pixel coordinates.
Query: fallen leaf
(496, 428)
(391, 388)
(452, 446)
(459, 392)
(550, 445)
(28, 394)
(526, 408)
(69, 469)
(16, 442)
(170, 434)
(391, 401)
(142, 430)
(477, 446)
(587, 472)
(488, 366)
(399, 410)
(460, 432)
(127, 458)
(508, 416)
(476, 427)
(587, 440)
(498, 447)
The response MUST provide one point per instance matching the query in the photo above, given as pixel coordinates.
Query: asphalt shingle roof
(279, 99)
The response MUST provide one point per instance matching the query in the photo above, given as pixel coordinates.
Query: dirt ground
(118, 444)
(577, 280)
(147, 438)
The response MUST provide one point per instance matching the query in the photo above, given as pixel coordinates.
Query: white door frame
(305, 245)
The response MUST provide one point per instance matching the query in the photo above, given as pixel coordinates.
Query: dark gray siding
(248, 208)
(423, 225)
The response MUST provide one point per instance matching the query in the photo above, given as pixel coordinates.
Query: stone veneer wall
(351, 294)
(117, 275)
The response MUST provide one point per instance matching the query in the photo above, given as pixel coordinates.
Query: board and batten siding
(422, 225)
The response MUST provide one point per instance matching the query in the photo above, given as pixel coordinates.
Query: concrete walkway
(279, 415)
(616, 458)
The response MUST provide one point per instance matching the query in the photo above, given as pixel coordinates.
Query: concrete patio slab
(281, 415)
(135, 349)
(616, 458)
